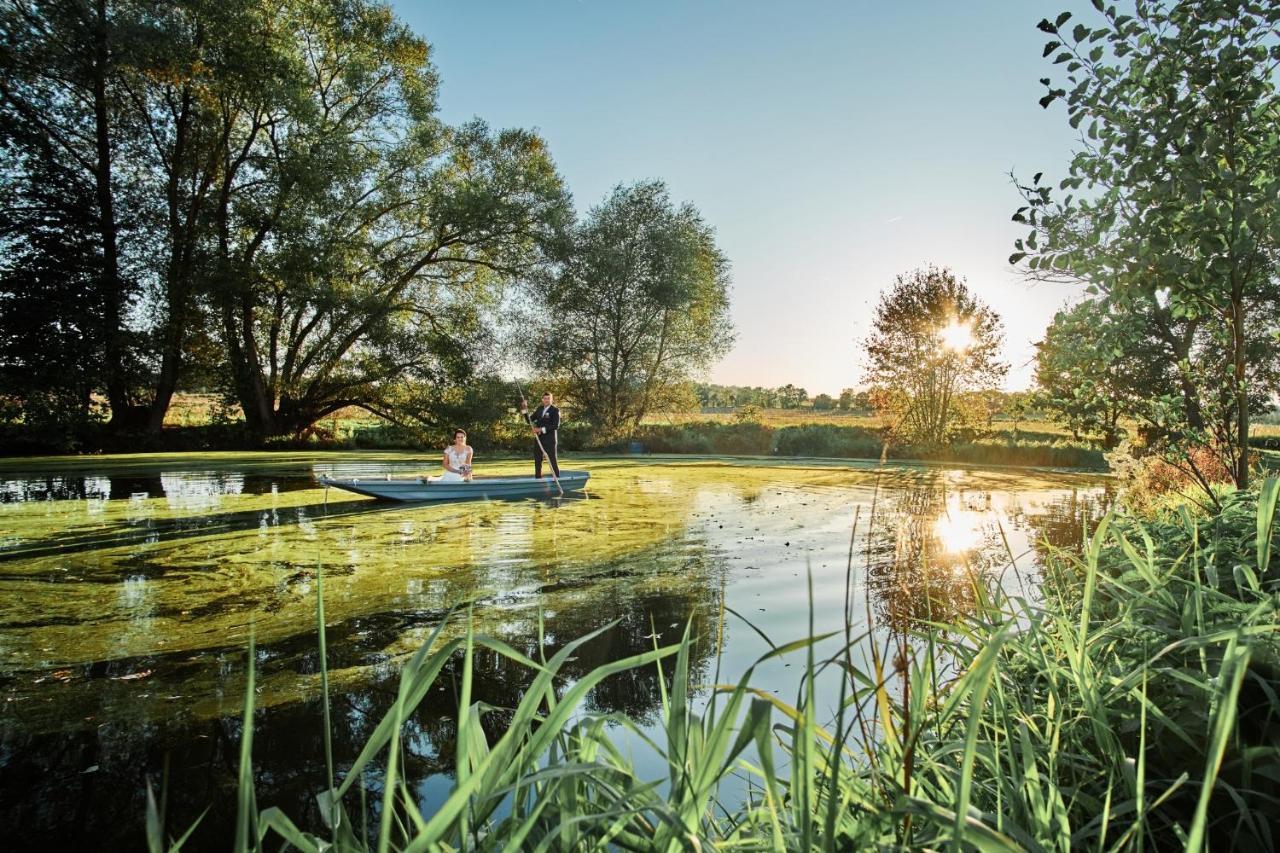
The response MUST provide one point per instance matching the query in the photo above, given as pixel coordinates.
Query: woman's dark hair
(455, 433)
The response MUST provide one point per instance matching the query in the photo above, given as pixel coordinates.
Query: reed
(1130, 704)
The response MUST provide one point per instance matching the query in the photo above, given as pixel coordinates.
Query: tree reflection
(98, 773)
(925, 548)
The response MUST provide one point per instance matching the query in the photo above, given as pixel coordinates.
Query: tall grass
(1129, 705)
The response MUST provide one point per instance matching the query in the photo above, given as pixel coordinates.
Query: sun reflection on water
(958, 530)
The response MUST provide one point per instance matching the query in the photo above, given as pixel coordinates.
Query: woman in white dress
(457, 460)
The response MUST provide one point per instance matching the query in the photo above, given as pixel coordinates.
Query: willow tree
(1172, 200)
(638, 304)
(931, 341)
(363, 241)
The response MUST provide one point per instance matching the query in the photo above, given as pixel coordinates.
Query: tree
(931, 340)
(791, 396)
(638, 303)
(51, 323)
(362, 242)
(1174, 202)
(271, 182)
(823, 403)
(58, 115)
(1017, 405)
(1084, 377)
(845, 401)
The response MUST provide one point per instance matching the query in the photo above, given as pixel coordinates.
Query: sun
(956, 336)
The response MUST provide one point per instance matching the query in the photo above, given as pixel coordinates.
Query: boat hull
(481, 488)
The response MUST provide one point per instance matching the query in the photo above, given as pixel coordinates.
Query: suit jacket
(546, 419)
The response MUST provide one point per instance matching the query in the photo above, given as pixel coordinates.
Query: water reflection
(938, 538)
(126, 605)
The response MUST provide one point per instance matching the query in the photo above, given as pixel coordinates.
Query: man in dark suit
(545, 421)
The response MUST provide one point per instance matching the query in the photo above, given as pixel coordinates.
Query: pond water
(129, 587)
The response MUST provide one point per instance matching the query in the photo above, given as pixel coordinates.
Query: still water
(129, 587)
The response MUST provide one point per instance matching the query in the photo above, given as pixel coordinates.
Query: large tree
(931, 341)
(362, 241)
(272, 178)
(1173, 203)
(639, 303)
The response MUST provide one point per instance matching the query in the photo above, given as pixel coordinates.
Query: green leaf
(1268, 496)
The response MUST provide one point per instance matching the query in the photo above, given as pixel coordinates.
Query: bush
(1051, 454)
(835, 441)
(737, 439)
(843, 442)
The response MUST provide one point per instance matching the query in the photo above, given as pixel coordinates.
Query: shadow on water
(169, 530)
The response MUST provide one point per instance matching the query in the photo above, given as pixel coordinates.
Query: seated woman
(457, 460)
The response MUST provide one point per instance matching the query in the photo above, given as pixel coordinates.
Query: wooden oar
(538, 438)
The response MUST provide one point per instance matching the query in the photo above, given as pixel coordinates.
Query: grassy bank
(1130, 706)
(861, 442)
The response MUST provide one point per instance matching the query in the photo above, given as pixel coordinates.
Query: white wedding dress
(457, 458)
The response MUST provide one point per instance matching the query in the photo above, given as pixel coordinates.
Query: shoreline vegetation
(1130, 706)
(778, 433)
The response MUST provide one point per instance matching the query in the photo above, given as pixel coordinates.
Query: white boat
(425, 489)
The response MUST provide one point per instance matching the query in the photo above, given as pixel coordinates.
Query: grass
(1130, 707)
(803, 416)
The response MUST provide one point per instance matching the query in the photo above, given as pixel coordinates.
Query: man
(544, 422)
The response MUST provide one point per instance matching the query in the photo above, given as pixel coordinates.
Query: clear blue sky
(832, 145)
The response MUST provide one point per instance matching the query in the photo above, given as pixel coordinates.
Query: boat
(478, 488)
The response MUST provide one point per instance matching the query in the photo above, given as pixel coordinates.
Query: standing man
(544, 421)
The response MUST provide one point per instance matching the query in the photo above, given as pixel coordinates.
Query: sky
(832, 145)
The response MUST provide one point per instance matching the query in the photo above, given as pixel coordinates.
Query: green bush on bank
(1132, 707)
(857, 442)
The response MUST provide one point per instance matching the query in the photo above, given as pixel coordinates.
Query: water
(129, 587)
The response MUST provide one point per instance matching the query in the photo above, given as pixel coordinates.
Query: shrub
(846, 442)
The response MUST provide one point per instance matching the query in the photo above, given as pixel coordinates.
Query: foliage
(931, 341)
(1132, 708)
(1091, 371)
(824, 403)
(1172, 208)
(1152, 480)
(277, 209)
(51, 342)
(861, 442)
(638, 303)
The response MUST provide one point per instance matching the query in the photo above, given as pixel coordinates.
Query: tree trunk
(124, 415)
(1242, 394)
(170, 365)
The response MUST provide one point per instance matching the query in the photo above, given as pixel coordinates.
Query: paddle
(538, 438)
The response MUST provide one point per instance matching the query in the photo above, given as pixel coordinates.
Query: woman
(457, 460)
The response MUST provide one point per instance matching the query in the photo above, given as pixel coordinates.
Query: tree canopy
(931, 341)
(637, 304)
(274, 203)
(1171, 207)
